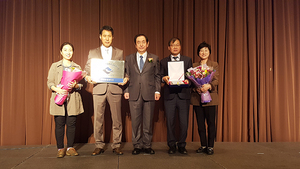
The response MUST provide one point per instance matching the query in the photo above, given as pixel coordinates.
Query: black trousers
(60, 122)
(206, 113)
(183, 107)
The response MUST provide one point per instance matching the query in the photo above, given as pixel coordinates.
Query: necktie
(106, 51)
(141, 63)
(175, 58)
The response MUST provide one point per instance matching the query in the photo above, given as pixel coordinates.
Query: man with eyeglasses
(176, 98)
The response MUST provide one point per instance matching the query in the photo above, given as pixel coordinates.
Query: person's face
(141, 44)
(204, 53)
(106, 38)
(67, 52)
(175, 48)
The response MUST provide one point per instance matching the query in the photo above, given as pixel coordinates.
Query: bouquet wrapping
(201, 75)
(69, 75)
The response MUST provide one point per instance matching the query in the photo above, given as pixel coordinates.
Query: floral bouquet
(69, 75)
(201, 75)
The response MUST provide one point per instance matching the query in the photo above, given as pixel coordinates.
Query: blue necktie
(175, 58)
(141, 63)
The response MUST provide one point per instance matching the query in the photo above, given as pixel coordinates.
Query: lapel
(135, 63)
(169, 58)
(181, 58)
(146, 61)
(99, 54)
(113, 55)
(59, 70)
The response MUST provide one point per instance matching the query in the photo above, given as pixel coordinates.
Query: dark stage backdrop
(255, 42)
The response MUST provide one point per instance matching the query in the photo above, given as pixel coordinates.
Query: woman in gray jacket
(66, 113)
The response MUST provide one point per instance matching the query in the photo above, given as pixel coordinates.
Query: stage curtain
(256, 44)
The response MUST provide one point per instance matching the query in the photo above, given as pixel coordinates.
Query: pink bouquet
(70, 75)
(201, 75)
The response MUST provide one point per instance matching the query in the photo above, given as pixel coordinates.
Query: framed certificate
(176, 73)
(107, 71)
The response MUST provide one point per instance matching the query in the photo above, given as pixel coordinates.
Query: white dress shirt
(106, 52)
(178, 59)
(138, 58)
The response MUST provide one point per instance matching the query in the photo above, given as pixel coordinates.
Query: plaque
(107, 71)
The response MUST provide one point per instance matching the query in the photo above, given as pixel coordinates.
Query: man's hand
(166, 79)
(126, 95)
(157, 96)
(125, 80)
(186, 81)
(89, 79)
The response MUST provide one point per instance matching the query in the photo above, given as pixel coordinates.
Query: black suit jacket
(170, 92)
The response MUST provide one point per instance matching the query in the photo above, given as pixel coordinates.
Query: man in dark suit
(103, 92)
(176, 97)
(142, 69)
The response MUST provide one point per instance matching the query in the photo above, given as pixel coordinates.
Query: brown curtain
(255, 42)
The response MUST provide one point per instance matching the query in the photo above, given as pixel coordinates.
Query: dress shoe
(97, 151)
(117, 151)
(149, 151)
(71, 152)
(201, 150)
(210, 151)
(136, 151)
(172, 150)
(182, 150)
(60, 153)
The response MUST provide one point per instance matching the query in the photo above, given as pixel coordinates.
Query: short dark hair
(202, 45)
(66, 43)
(136, 36)
(108, 28)
(172, 40)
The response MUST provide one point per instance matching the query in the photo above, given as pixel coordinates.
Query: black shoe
(210, 151)
(136, 151)
(201, 150)
(149, 151)
(182, 150)
(172, 150)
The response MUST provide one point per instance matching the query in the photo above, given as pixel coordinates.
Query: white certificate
(107, 71)
(176, 72)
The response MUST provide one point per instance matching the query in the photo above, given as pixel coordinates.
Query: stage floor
(227, 155)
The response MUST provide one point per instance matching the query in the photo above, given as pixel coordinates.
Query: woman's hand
(199, 90)
(59, 90)
(205, 88)
(71, 85)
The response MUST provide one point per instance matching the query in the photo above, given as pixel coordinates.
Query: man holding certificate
(177, 94)
(106, 60)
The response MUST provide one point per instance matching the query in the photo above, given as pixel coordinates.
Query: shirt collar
(175, 56)
(144, 55)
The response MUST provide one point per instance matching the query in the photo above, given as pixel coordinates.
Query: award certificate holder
(176, 73)
(107, 71)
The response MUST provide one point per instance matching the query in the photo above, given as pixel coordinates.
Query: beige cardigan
(195, 97)
(74, 106)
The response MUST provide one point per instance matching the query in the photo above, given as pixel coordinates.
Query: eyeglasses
(175, 45)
